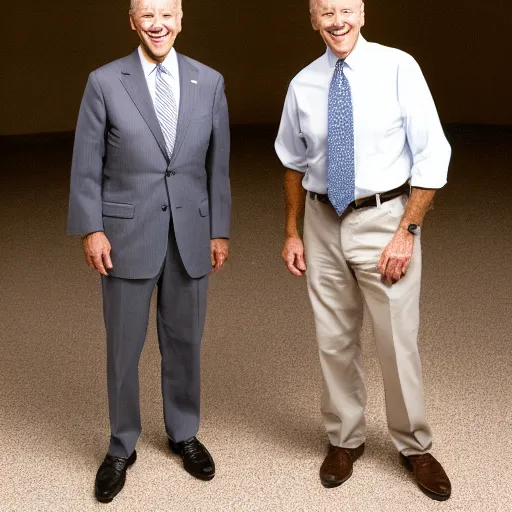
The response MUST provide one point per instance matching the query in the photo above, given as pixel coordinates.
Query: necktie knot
(160, 68)
(166, 107)
(339, 70)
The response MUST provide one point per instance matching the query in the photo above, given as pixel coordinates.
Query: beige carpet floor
(261, 380)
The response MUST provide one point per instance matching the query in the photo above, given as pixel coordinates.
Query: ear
(314, 23)
(362, 14)
(131, 23)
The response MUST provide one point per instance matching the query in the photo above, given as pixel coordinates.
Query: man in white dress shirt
(365, 152)
(150, 195)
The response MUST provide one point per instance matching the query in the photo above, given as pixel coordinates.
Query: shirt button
(164, 208)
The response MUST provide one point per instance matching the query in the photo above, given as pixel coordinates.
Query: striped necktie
(166, 108)
(341, 161)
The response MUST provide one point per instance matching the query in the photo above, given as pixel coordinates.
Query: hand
(293, 255)
(219, 253)
(97, 252)
(396, 257)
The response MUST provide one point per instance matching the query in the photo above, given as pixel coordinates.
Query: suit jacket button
(168, 173)
(164, 208)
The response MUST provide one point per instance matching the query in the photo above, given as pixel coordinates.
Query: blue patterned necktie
(166, 108)
(341, 166)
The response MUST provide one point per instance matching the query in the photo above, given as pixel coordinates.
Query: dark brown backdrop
(49, 48)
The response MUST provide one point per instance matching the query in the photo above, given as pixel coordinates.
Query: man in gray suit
(150, 195)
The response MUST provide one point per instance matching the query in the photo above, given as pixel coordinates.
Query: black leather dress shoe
(111, 477)
(196, 458)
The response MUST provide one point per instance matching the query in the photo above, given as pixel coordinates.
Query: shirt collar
(170, 62)
(354, 58)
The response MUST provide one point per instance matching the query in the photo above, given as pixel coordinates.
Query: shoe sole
(432, 495)
(332, 485)
(109, 500)
(203, 478)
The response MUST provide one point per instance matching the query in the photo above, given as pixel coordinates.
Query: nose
(339, 19)
(157, 23)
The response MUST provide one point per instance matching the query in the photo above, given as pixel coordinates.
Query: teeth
(339, 33)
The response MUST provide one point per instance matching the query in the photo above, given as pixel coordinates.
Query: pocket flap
(204, 210)
(119, 210)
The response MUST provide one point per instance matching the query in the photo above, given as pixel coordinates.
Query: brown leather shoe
(337, 466)
(429, 475)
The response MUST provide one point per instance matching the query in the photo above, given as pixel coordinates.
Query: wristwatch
(414, 229)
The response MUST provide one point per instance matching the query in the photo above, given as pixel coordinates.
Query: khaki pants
(342, 254)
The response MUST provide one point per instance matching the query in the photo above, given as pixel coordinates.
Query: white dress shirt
(397, 131)
(171, 64)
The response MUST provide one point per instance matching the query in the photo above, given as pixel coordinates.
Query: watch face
(413, 228)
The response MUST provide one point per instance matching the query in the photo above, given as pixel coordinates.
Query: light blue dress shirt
(397, 131)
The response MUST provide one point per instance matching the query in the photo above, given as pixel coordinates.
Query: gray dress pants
(181, 310)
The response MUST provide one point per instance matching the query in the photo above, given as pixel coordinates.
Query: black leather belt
(366, 201)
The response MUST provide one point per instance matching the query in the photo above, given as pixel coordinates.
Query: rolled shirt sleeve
(429, 148)
(290, 144)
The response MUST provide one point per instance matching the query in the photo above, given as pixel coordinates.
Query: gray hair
(312, 5)
(135, 3)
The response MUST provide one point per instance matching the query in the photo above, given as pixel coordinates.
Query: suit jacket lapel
(188, 97)
(134, 81)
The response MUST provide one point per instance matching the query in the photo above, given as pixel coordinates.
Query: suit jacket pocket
(204, 210)
(118, 210)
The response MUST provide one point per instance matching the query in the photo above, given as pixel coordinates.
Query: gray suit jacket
(124, 183)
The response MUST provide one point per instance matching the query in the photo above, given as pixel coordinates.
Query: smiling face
(157, 23)
(339, 23)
